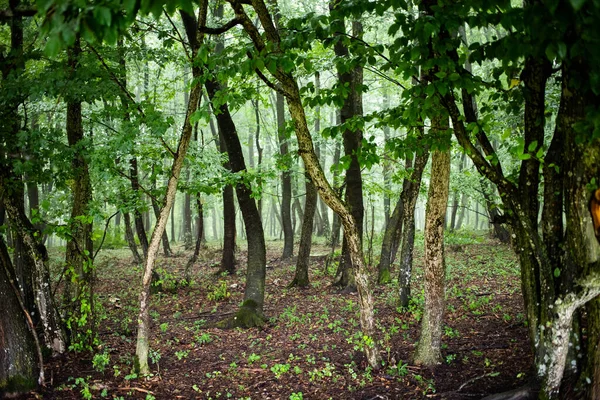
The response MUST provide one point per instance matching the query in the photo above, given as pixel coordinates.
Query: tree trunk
(393, 225)
(352, 140)
(184, 141)
(311, 162)
(410, 195)
(79, 251)
(428, 350)
(286, 180)
(53, 334)
(130, 239)
(310, 205)
(18, 371)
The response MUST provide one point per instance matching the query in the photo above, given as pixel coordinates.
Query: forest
(252, 199)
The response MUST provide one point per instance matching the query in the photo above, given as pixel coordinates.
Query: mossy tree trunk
(428, 351)
(79, 276)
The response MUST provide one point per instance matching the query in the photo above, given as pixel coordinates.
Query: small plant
(252, 358)
(219, 292)
(400, 369)
(296, 396)
(204, 338)
(100, 361)
(85, 388)
(280, 369)
(181, 354)
(164, 326)
(450, 332)
(450, 358)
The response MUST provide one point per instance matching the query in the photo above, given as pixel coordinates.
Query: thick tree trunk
(79, 276)
(18, 358)
(428, 350)
(251, 312)
(53, 334)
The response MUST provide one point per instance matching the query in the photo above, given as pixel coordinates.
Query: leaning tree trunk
(428, 350)
(161, 222)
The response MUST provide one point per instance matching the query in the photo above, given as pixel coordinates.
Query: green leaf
(524, 156)
(556, 272)
(53, 46)
(577, 4)
(103, 15)
(532, 146)
(562, 50)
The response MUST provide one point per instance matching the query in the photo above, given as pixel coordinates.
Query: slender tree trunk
(410, 194)
(286, 181)
(184, 141)
(310, 204)
(130, 239)
(428, 350)
(311, 162)
(352, 107)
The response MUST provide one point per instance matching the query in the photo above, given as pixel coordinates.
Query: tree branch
(221, 29)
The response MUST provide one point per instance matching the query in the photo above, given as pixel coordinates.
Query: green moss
(384, 277)
(17, 384)
(248, 316)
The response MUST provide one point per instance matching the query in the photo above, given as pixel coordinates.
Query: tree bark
(310, 204)
(410, 194)
(130, 239)
(18, 372)
(161, 223)
(428, 350)
(306, 150)
(79, 251)
(352, 140)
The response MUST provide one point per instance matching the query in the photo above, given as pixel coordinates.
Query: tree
(79, 300)
(142, 348)
(428, 351)
(251, 310)
(289, 87)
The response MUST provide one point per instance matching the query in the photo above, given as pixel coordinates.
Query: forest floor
(309, 347)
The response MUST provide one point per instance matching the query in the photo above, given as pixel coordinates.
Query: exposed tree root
(248, 316)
